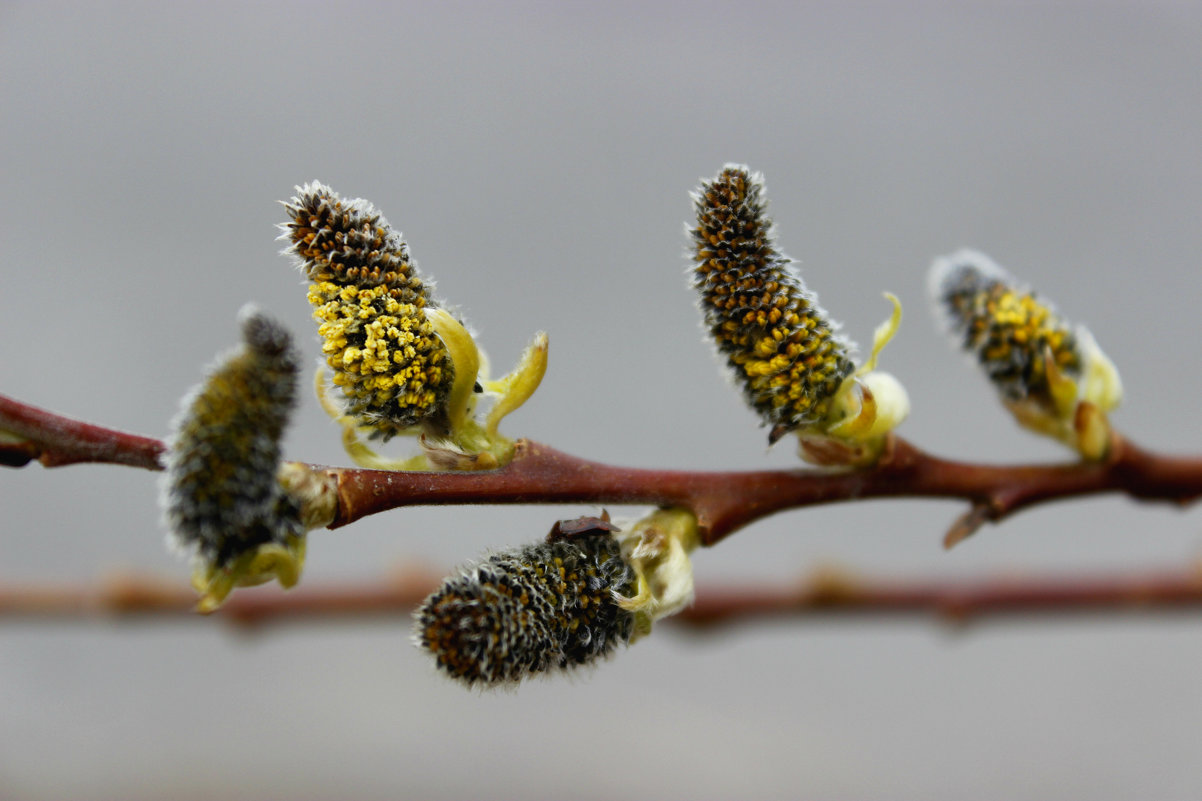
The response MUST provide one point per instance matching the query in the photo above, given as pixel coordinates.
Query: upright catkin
(369, 301)
(779, 344)
(1008, 328)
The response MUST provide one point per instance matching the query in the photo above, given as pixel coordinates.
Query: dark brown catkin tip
(528, 610)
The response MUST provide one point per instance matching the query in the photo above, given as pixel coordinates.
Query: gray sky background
(538, 158)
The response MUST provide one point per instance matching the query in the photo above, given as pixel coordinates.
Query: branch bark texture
(723, 501)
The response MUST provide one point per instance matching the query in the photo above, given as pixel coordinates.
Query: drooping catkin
(221, 498)
(528, 610)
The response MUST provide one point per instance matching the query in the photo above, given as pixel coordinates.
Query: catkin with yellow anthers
(528, 610)
(779, 343)
(220, 495)
(1007, 327)
(369, 303)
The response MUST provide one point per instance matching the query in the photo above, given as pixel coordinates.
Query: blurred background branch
(827, 593)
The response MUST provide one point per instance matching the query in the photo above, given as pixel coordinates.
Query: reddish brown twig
(727, 501)
(55, 440)
(829, 593)
(723, 501)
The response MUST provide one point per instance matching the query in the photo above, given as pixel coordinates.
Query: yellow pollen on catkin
(785, 353)
(1010, 329)
(370, 306)
(1054, 379)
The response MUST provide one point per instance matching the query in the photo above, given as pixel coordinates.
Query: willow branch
(723, 501)
(726, 501)
(28, 433)
(827, 594)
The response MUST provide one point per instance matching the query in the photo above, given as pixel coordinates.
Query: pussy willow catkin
(780, 345)
(369, 302)
(540, 607)
(1007, 327)
(220, 493)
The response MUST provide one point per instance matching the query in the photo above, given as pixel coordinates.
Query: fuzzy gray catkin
(220, 494)
(528, 610)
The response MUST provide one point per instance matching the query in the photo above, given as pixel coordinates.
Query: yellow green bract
(863, 412)
(275, 560)
(657, 548)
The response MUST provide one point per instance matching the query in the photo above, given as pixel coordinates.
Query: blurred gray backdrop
(538, 158)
